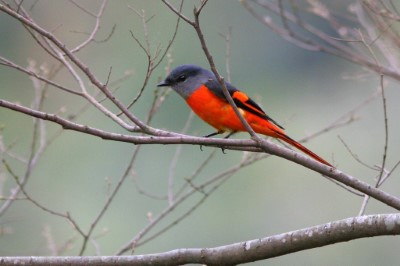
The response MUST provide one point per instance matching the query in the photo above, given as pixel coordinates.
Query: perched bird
(203, 93)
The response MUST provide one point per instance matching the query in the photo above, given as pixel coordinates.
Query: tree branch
(166, 137)
(242, 252)
(328, 44)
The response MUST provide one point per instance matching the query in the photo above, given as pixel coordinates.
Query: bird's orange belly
(213, 110)
(220, 114)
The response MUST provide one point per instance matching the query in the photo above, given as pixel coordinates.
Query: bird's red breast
(219, 113)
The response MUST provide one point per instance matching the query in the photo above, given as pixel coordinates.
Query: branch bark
(243, 252)
(249, 145)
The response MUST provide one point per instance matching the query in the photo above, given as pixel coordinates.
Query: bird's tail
(294, 143)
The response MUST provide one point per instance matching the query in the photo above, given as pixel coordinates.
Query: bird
(203, 93)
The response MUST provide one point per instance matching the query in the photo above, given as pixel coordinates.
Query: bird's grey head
(185, 79)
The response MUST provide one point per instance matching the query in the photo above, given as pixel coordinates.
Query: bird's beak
(163, 83)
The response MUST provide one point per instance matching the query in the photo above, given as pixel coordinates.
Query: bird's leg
(230, 134)
(217, 133)
(227, 137)
(211, 135)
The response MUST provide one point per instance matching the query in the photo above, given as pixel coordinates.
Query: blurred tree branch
(364, 32)
(372, 26)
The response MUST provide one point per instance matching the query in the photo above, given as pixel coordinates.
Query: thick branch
(243, 252)
(166, 137)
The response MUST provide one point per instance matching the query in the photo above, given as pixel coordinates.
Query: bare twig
(109, 200)
(227, 37)
(355, 156)
(8, 63)
(95, 29)
(39, 205)
(385, 120)
(217, 180)
(197, 28)
(174, 162)
(196, 25)
(37, 146)
(152, 64)
(382, 167)
(327, 44)
(62, 53)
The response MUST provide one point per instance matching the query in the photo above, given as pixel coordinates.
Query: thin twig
(152, 64)
(355, 156)
(175, 160)
(109, 200)
(95, 29)
(197, 28)
(227, 37)
(136, 240)
(37, 204)
(385, 120)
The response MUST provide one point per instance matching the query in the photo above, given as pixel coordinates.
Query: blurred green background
(305, 91)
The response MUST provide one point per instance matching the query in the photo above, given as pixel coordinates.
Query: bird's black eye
(181, 78)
